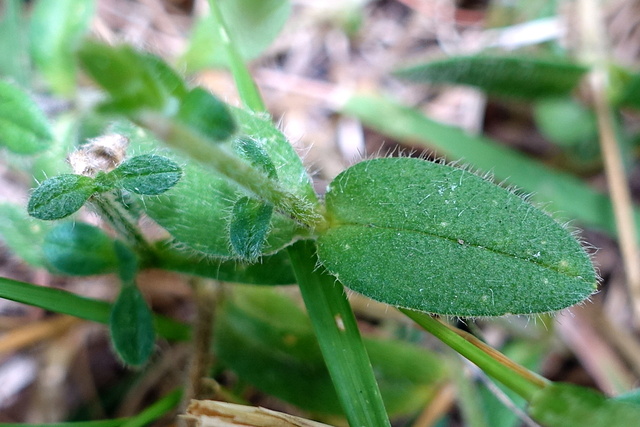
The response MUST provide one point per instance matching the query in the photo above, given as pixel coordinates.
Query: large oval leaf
(440, 239)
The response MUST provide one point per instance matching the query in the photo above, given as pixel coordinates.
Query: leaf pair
(60, 196)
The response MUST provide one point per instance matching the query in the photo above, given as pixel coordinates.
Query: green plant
(236, 200)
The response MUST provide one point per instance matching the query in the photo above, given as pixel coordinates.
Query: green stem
(494, 363)
(112, 210)
(231, 166)
(247, 89)
(339, 338)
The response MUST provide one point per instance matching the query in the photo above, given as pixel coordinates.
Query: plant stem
(594, 53)
(491, 361)
(118, 217)
(215, 155)
(339, 338)
(205, 295)
(247, 88)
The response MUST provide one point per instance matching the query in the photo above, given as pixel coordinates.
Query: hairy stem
(215, 155)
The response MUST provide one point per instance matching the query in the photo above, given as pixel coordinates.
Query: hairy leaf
(251, 150)
(196, 212)
(131, 326)
(249, 227)
(205, 113)
(434, 238)
(79, 249)
(23, 127)
(60, 196)
(131, 78)
(148, 174)
(518, 77)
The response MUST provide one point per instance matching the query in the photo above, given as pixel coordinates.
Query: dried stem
(594, 53)
(205, 294)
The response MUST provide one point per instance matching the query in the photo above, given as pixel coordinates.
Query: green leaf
(268, 341)
(22, 234)
(131, 326)
(55, 32)
(148, 174)
(568, 405)
(23, 127)
(559, 191)
(565, 122)
(133, 79)
(64, 302)
(127, 262)
(197, 211)
(60, 196)
(510, 76)
(251, 150)
(205, 113)
(253, 25)
(249, 227)
(79, 249)
(434, 238)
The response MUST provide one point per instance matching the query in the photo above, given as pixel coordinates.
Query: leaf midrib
(338, 224)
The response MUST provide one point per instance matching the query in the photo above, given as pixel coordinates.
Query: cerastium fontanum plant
(239, 206)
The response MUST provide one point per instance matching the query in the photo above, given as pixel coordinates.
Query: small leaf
(249, 227)
(131, 326)
(23, 127)
(568, 405)
(60, 196)
(517, 77)
(148, 174)
(434, 238)
(55, 30)
(252, 150)
(127, 262)
(207, 114)
(79, 249)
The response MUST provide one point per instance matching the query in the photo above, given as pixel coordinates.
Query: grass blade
(64, 302)
(339, 339)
